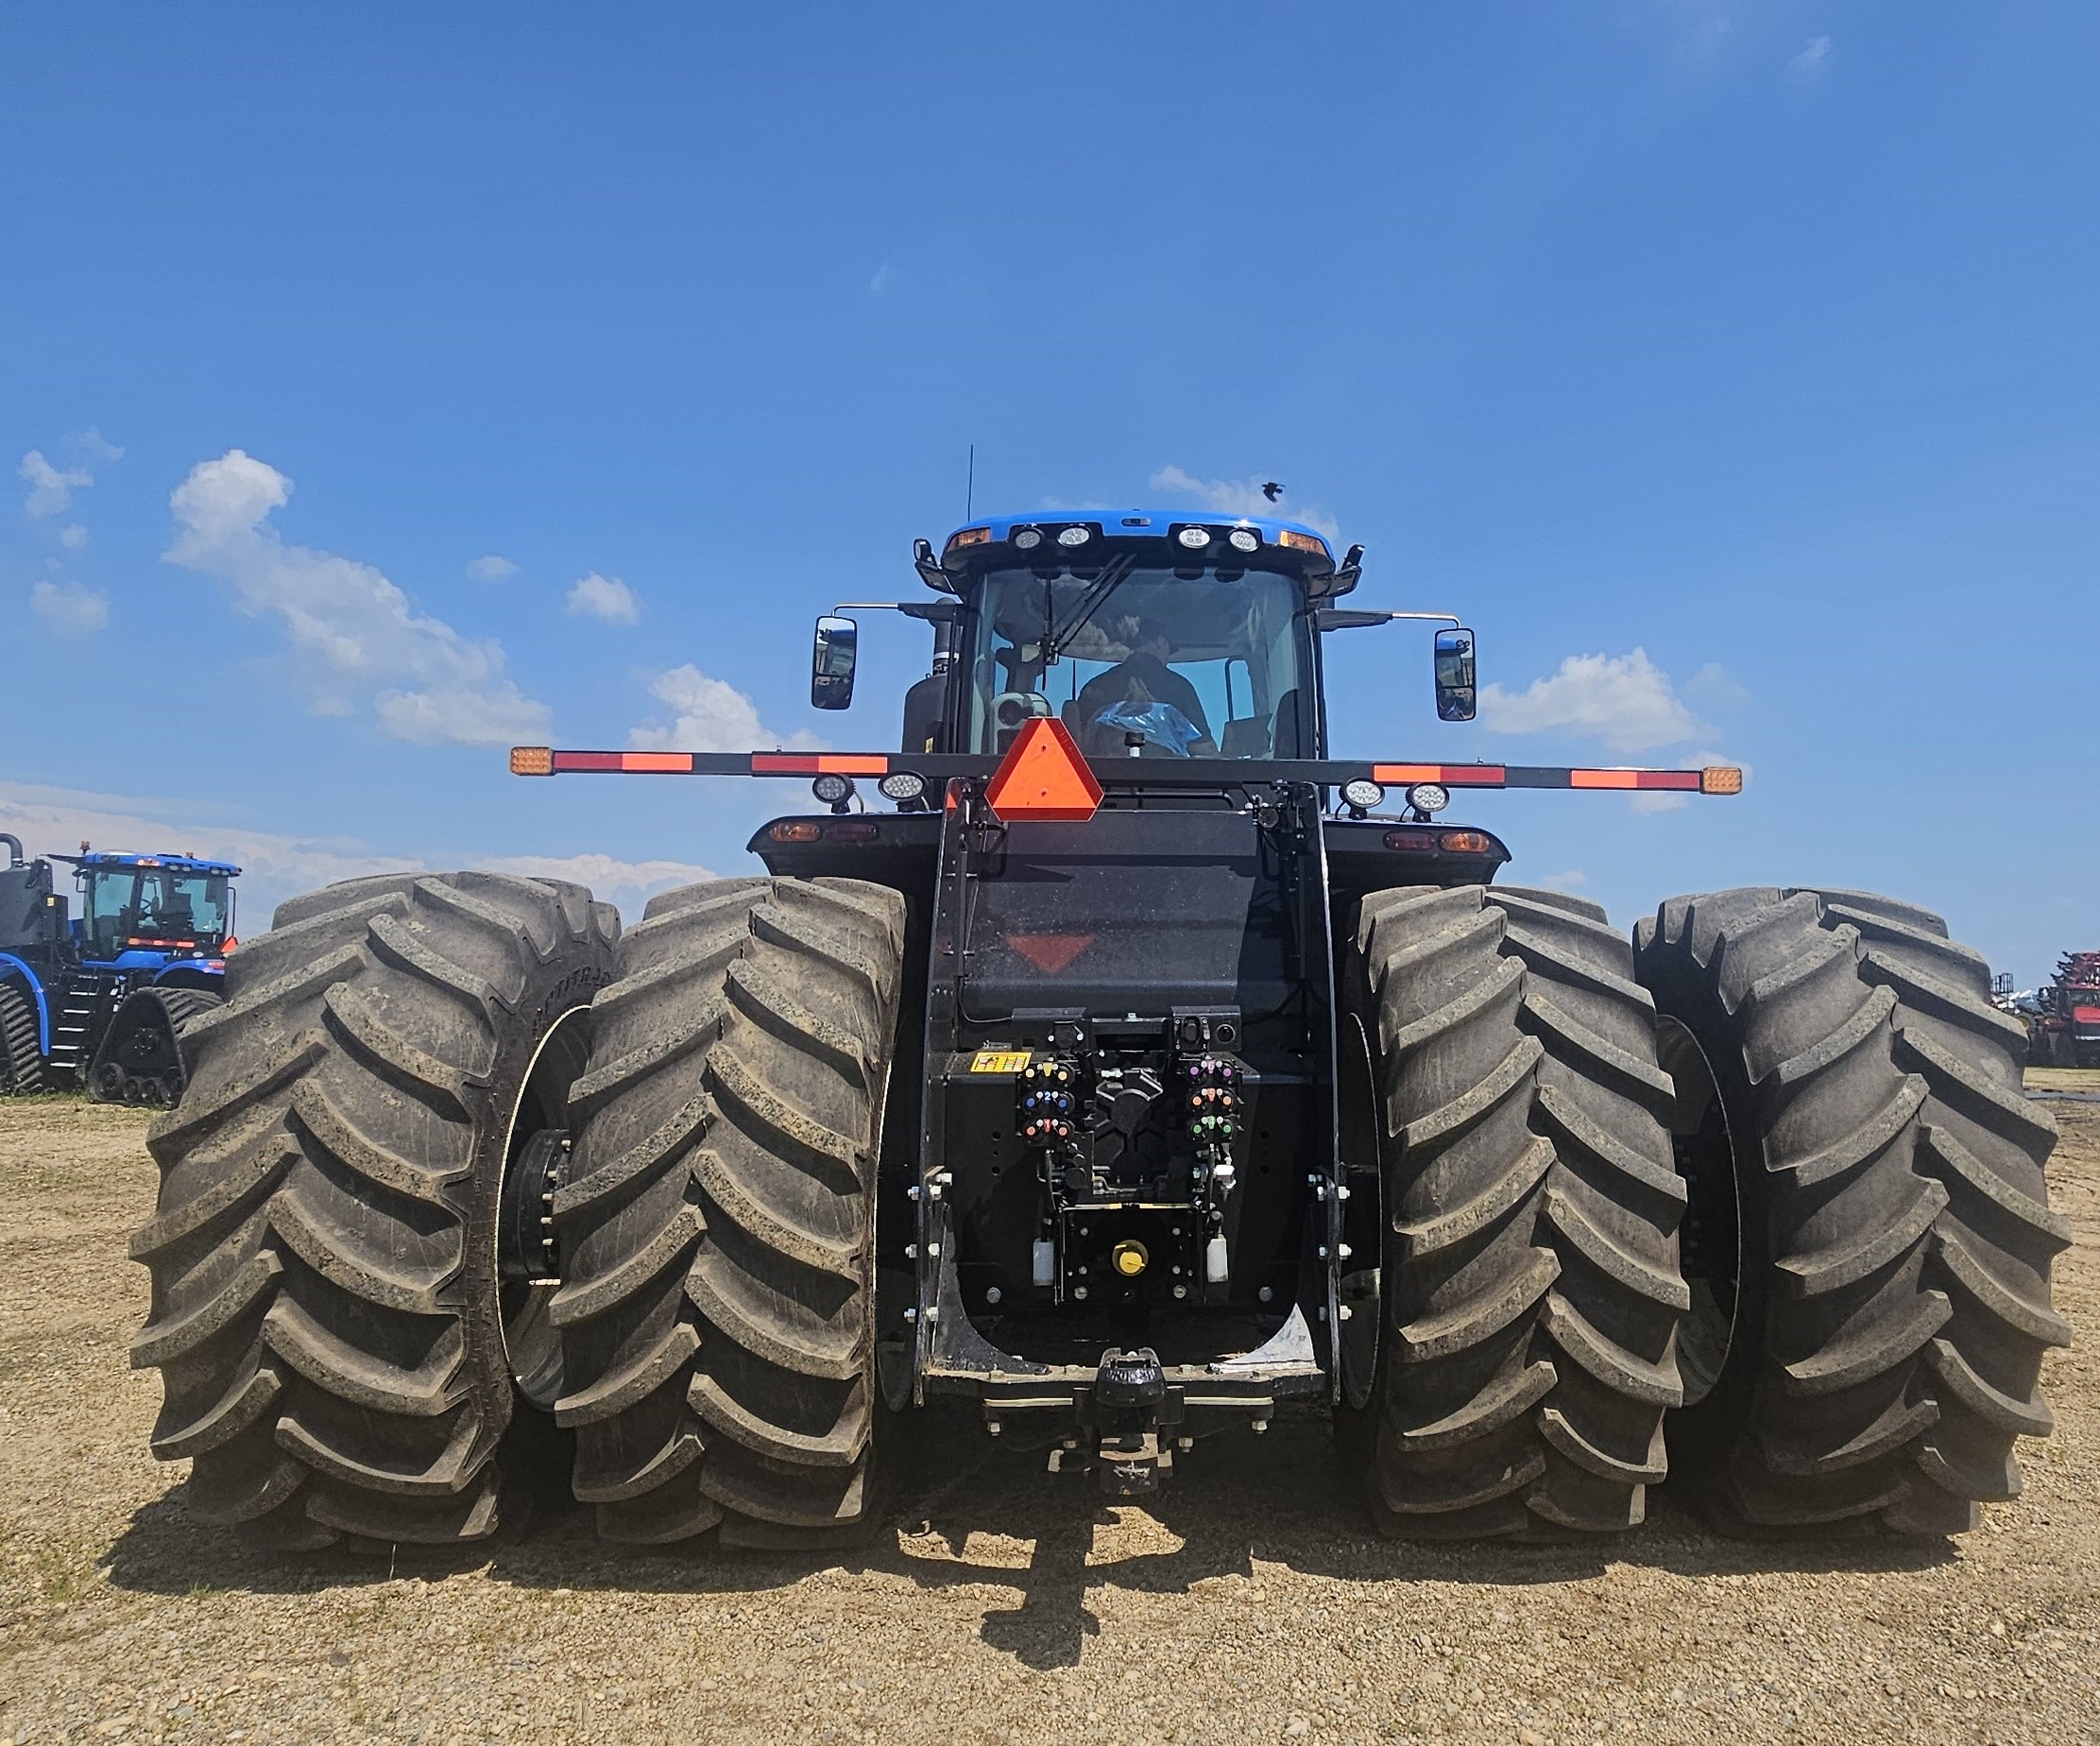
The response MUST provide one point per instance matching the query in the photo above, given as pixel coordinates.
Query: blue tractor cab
(101, 996)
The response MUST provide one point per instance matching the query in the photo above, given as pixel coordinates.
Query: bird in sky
(1271, 491)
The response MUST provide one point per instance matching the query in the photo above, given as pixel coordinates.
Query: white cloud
(1812, 61)
(68, 609)
(1625, 700)
(603, 597)
(881, 282)
(96, 444)
(51, 487)
(276, 865)
(432, 683)
(1714, 687)
(74, 537)
(1572, 881)
(490, 569)
(1238, 497)
(712, 716)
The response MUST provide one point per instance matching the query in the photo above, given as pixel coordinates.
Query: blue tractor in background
(101, 998)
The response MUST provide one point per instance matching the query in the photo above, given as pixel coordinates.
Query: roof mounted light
(1027, 538)
(1293, 541)
(1244, 539)
(972, 536)
(1074, 536)
(833, 790)
(1195, 538)
(1427, 798)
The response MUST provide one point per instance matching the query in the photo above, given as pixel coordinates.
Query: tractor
(101, 999)
(1114, 1064)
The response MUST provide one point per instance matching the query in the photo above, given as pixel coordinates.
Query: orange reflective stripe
(1634, 779)
(660, 764)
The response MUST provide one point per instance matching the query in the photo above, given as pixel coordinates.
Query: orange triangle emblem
(1044, 776)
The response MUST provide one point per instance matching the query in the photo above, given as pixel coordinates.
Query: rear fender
(12, 969)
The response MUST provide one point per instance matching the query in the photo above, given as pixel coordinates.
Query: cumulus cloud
(51, 487)
(1238, 497)
(68, 609)
(276, 865)
(431, 684)
(711, 715)
(73, 536)
(490, 569)
(1625, 700)
(603, 597)
(1812, 61)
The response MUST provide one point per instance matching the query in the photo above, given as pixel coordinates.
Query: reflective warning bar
(1118, 773)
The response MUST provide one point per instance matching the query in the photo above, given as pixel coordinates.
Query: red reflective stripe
(820, 764)
(1634, 779)
(1445, 776)
(587, 760)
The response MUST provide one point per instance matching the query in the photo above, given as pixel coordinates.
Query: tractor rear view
(1139, 1070)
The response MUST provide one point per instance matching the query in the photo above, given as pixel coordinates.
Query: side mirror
(838, 648)
(1457, 697)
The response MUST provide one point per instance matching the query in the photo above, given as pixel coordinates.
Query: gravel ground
(1000, 1604)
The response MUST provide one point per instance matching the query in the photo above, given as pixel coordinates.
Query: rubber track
(177, 1009)
(21, 1060)
(1532, 1288)
(1910, 1233)
(328, 1345)
(717, 1325)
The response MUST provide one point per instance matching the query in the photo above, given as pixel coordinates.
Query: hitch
(1127, 1411)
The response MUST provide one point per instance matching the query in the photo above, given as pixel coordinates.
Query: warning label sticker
(999, 1060)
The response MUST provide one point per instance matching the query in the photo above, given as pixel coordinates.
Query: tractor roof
(101, 859)
(1147, 533)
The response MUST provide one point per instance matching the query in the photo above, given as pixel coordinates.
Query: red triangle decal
(1049, 952)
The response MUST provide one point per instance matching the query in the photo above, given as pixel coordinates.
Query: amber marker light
(532, 761)
(972, 536)
(1720, 779)
(795, 830)
(1291, 539)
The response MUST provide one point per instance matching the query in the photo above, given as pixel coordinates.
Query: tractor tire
(20, 1058)
(1870, 1236)
(1530, 1294)
(717, 1314)
(142, 1059)
(330, 1320)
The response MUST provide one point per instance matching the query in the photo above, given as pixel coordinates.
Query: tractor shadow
(984, 1517)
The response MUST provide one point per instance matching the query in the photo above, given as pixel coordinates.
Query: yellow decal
(999, 1060)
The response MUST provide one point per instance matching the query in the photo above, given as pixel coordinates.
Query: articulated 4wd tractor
(1139, 1070)
(100, 999)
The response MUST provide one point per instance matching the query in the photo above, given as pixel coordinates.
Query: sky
(389, 384)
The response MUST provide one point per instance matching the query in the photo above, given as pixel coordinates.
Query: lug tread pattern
(1531, 1279)
(716, 1320)
(1910, 1234)
(321, 1364)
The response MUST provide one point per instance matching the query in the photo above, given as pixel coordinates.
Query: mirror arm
(1340, 617)
(927, 611)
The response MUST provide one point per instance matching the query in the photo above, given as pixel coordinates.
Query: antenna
(969, 495)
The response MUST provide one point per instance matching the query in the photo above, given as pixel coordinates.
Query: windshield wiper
(1055, 637)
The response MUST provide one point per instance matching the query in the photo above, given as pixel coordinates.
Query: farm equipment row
(99, 1000)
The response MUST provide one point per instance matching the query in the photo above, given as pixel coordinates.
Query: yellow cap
(1129, 1259)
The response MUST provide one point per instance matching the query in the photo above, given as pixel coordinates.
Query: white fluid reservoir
(1044, 1257)
(1214, 1260)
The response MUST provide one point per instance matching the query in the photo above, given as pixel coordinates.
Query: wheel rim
(1711, 1239)
(536, 1162)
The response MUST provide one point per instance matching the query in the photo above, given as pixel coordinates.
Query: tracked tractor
(1118, 1063)
(100, 1000)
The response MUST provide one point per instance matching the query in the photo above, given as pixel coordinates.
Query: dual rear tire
(1758, 1204)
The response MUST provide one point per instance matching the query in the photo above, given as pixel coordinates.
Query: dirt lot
(1000, 1604)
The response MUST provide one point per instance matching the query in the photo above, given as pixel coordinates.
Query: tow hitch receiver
(1125, 1409)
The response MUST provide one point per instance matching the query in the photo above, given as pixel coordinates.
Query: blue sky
(1732, 366)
